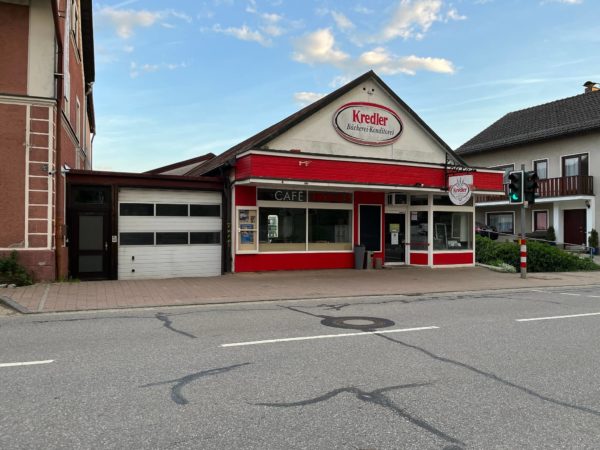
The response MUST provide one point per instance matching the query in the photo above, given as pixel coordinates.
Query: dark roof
(578, 114)
(268, 134)
(177, 165)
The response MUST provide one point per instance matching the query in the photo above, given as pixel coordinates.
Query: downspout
(59, 77)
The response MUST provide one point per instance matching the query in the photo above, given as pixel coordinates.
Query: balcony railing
(551, 187)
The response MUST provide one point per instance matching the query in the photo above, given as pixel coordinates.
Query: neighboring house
(46, 124)
(561, 141)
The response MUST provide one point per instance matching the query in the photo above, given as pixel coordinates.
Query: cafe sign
(460, 188)
(367, 123)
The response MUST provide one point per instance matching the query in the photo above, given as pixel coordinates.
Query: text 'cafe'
(357, 167)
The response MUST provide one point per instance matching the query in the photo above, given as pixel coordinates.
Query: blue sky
(179, 79)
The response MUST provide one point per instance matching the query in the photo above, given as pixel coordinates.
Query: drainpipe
(59, 77)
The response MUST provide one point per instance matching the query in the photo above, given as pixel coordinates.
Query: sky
(179, 79)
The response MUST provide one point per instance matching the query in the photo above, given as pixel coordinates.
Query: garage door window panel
(205, 210)
(136, 238)
(172, 210)
(172, 238)
(205, 237)
(136, 209)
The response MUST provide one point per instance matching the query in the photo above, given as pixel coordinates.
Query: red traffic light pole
(522, 241)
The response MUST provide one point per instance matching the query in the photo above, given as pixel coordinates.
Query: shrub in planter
(545, 258)
(593, 241)
(551, 235)
(11, 272)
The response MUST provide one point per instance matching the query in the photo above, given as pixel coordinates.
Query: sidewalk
(245, 287)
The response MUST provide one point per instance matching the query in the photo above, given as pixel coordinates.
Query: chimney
(590, 86)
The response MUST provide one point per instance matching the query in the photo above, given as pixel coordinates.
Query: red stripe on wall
(293, 261)
(245, 196)
(418, 259)
(440, 259)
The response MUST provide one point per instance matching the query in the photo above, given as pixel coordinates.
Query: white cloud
(413, 18)
(342, 21)
(136, 69)
(363, 9)
(384, 62)
(318, 47)
(243, 33)
(125, 21)
(566, 2)
(306, 98)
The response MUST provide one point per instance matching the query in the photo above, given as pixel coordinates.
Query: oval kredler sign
(367, 123)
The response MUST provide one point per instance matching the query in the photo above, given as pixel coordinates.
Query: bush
(593, 239)
(541, 257)
(11, 272)
(551, 234)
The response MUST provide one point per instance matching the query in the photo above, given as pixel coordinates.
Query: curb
(10, 303)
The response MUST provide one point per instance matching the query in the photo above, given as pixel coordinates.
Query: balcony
(551, 187)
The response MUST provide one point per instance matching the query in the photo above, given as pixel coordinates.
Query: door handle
(106, 246)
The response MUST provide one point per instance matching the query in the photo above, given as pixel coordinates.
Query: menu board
(247, 225)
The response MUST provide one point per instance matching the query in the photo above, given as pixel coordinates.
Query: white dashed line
(558, 317)
(568, 293)
(27, 363)
(594, 296)
(326, 336)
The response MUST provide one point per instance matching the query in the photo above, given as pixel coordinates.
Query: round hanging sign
(367, 123)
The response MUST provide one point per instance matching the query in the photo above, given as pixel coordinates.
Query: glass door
(92, 245)
(395, 239)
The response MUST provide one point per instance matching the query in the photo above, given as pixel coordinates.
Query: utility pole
(522, 241)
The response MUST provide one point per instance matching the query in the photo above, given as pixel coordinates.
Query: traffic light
(515, 187)
(530, 186)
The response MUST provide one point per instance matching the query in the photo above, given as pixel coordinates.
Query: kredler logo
(459, 189)
(367, 123)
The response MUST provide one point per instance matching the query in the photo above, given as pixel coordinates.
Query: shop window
(205, 210)
(503, 222)
(419, 227)
(329, 229)
(442, 200)
(136, 209)
(91, 195)
(452, 230)
(282, 229)
(205, 237)
(396, 199)
(172, 210)
(247, 222)
(540, 220)
(419, 200)
(170, 238)
(136, 238)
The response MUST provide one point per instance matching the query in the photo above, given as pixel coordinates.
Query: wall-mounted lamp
(587, 204)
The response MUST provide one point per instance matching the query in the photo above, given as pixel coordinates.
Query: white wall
(317, 134)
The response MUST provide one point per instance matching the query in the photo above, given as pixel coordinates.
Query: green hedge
(540, 257)
(11, 272)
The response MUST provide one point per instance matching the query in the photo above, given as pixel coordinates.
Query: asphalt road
(441, 371)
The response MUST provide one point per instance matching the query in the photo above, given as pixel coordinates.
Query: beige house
(560, 140)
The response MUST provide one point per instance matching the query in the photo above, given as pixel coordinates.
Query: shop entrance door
(394, 239)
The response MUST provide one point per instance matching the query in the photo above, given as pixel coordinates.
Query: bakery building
(355, 168)
(358, 168)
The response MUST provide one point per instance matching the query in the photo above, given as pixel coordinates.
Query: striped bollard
(523, 243)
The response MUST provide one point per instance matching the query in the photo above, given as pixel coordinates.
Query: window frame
(533, 219)
(534, 164)
(578, 156)
(504, 167)
(498, 213)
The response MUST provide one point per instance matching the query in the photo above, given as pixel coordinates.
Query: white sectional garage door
(169, 233)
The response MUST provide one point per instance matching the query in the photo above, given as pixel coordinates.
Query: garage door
(169, 233)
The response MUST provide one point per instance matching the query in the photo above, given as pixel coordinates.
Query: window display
(247, 223)
(452, 230)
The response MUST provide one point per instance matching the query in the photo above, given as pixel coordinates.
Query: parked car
(486, 230)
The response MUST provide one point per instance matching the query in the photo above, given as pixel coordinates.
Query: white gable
(317, 134)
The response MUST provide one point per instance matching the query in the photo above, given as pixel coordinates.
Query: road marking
(537, 290)
(326, 336)
(567, 293)
(26, 363)
(558, 317)
(594, 296)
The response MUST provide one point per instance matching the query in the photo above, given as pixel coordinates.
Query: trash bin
(359, 257)
(369, 260)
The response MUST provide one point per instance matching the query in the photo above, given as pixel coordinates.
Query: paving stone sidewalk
(244, 287)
